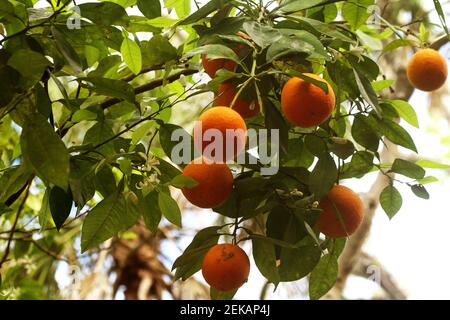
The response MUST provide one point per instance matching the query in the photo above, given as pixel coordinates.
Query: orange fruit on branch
(226, 267)
(215, 183)
(427, 70)
(212, 66)
(220, 133)
(226, 94)
(305, 104)
(342, 212)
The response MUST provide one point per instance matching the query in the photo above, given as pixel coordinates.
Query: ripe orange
(342, 212)
(427, 70)
(304, 104)
(212, 66)
(215, 183)
(220, 133)
(227, 92)
(226, 267)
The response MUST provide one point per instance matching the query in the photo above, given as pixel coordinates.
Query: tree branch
(151, 85)
(385, 280)
(11, 235)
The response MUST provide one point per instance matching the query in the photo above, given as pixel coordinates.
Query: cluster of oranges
(226, 266)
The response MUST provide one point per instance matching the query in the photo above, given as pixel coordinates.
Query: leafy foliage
(88, 115)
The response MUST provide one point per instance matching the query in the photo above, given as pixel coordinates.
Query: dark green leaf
(114, 214)
(391, 201)
(169, 208)
(265, 259)
(111, 88)
(182, 181)
(149, 8)
(104, 13)
(44, 149)
(323, 277)
(420, 191)
(60, 205)
(356, 12)
(221, 295)
(408, 169)
(67, 50)
(323, 177)
(30, 64)
(151, 211)
(364, 134)
(297, 263)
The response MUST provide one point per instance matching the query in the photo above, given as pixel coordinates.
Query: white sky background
(413, 246)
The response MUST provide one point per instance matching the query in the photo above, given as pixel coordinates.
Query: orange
(226, 267)
(220, 133)
(215, 183)
(342, 212)
(427, 70)
(212, 66)
(227, 92)
(304, 104)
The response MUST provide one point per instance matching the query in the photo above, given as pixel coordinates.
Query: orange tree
(86, 104)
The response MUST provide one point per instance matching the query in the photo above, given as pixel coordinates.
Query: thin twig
(11, 235)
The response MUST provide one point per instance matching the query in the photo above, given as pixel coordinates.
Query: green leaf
(265, 259)
(98, 134)
(405, 111)
(4, 209)
(114, 214)
(204, 11)
(362, 163)
(30, 64)
(323, 177)
(380, 85)
(67, 50)
(298, 5)
(215, 51)
(169, 208)
(297, 263)
(221, 295)
(391, 201)
(441, 15)
(191, 260)
(408, 169)
(112, 88)
(168, 144)
(274, 120)
(151, 211)
(323, 277)
(149, 8)
(44, 149)
(60, 202)
(131, 53)
(397, 43)
(364, 134)
(104, 13)
(356, 12)
(366, 90)
(432, 164)
(342, 148)
(396, 134)
(428, 179)
(158, 50)
(182, 181)
(12, 181)
(420, 191)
